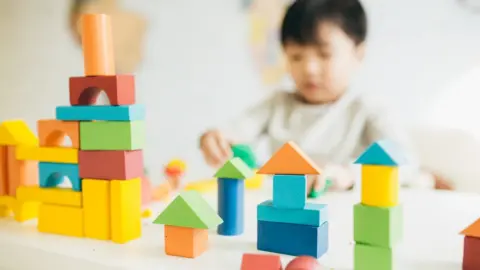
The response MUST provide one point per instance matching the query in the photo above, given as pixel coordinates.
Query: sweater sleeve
(381, 125)
(252, 123)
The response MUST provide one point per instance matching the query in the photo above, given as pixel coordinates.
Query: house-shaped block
(471, 246)
(187, 220)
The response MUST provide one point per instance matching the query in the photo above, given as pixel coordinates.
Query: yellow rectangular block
(63, 220)
(125, 205)
(47, 154)
(96, 208)
(380, 186)
(59, 196)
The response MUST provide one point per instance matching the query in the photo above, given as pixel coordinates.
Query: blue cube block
(313, 214)
(289, 191)
(231, 194)
(53, 174)
(101, 113)
(292, 239)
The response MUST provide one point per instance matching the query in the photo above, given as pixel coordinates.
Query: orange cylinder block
(97, 43)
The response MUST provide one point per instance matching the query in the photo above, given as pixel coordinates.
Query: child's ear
(360, 51)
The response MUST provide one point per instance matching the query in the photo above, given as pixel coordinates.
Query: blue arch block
(52, 174)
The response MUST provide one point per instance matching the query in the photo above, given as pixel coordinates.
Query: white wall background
(198, 73)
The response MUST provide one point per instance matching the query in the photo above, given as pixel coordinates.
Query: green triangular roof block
(235, 168)
(245, 153)
(190, 210)
(382, 153)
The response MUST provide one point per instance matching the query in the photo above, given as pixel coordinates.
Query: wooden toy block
(380, 185)
(16, 132)
(24, 211)
(96, 208)
(202, 185)
(234, 168)
(125, 207)
(120, 89)
(473, 230)
(382, 153)
(290, 191)
(254, 182)
(97, 45)
(313, 214)
(373, 258)
(6, 205)
(20, 172)
(185, 242)
(58, 196)
(101, 113)
(112, 135)
(189, 210)
(231, 196)
(52, 133)
(47, 154)
(63, 220)
(4, 211)
(471, 247)
(53, 174)
(304, 263)
(146, 213)
(118, 165)
(376, 226)
(261, 261)
(245, 153)
(3, 170)
(290, 160)
(292, 239)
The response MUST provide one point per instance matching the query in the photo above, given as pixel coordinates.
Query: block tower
(378, 219)
(288, 224)
(104, 162)
(231, 196)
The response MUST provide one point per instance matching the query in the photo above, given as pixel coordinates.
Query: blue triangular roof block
(383, 153)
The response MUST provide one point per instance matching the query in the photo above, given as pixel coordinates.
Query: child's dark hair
(302, 18)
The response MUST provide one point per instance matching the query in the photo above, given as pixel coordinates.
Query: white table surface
(433, 220)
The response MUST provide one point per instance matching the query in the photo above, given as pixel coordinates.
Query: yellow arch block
(22, 211)
(47, 154)
(57, 196)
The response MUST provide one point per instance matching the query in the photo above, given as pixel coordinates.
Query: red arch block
(120, 89)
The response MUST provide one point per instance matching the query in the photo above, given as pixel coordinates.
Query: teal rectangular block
(374, 258)
(289, 191)
(377, 226)
(313, 214)
(101, 113)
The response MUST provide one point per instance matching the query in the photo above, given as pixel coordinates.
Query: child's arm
(216, 144)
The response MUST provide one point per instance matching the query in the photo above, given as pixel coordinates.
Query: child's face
(322, 72)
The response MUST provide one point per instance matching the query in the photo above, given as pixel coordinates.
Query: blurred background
(199, 63)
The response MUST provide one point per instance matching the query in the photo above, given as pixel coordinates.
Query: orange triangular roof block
(473, 230)
(290, 160)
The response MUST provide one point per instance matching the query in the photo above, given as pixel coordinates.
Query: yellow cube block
(63, 220)
(126, 213)
(96, 208)
(380, 186)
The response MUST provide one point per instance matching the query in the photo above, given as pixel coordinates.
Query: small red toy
(304, 263)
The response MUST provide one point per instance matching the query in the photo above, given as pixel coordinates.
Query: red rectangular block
(120, 89)
(261, 262)
(108, 165)
(471, 251)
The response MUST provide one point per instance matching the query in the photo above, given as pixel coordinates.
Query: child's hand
(342, 179)
(216, 149)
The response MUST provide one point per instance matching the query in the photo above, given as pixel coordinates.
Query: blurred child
(324, 44)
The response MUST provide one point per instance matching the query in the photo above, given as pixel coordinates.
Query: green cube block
(377, 226)
(106, 135)
(373, 258)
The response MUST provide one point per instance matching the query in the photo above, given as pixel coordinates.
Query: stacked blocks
(378, 219)
(471, 246)
(231, 193)
(104, 162)
(288, 224)
(187, 220)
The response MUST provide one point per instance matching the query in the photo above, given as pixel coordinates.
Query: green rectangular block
(109, 135)
(377, 226)
(373, 258)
